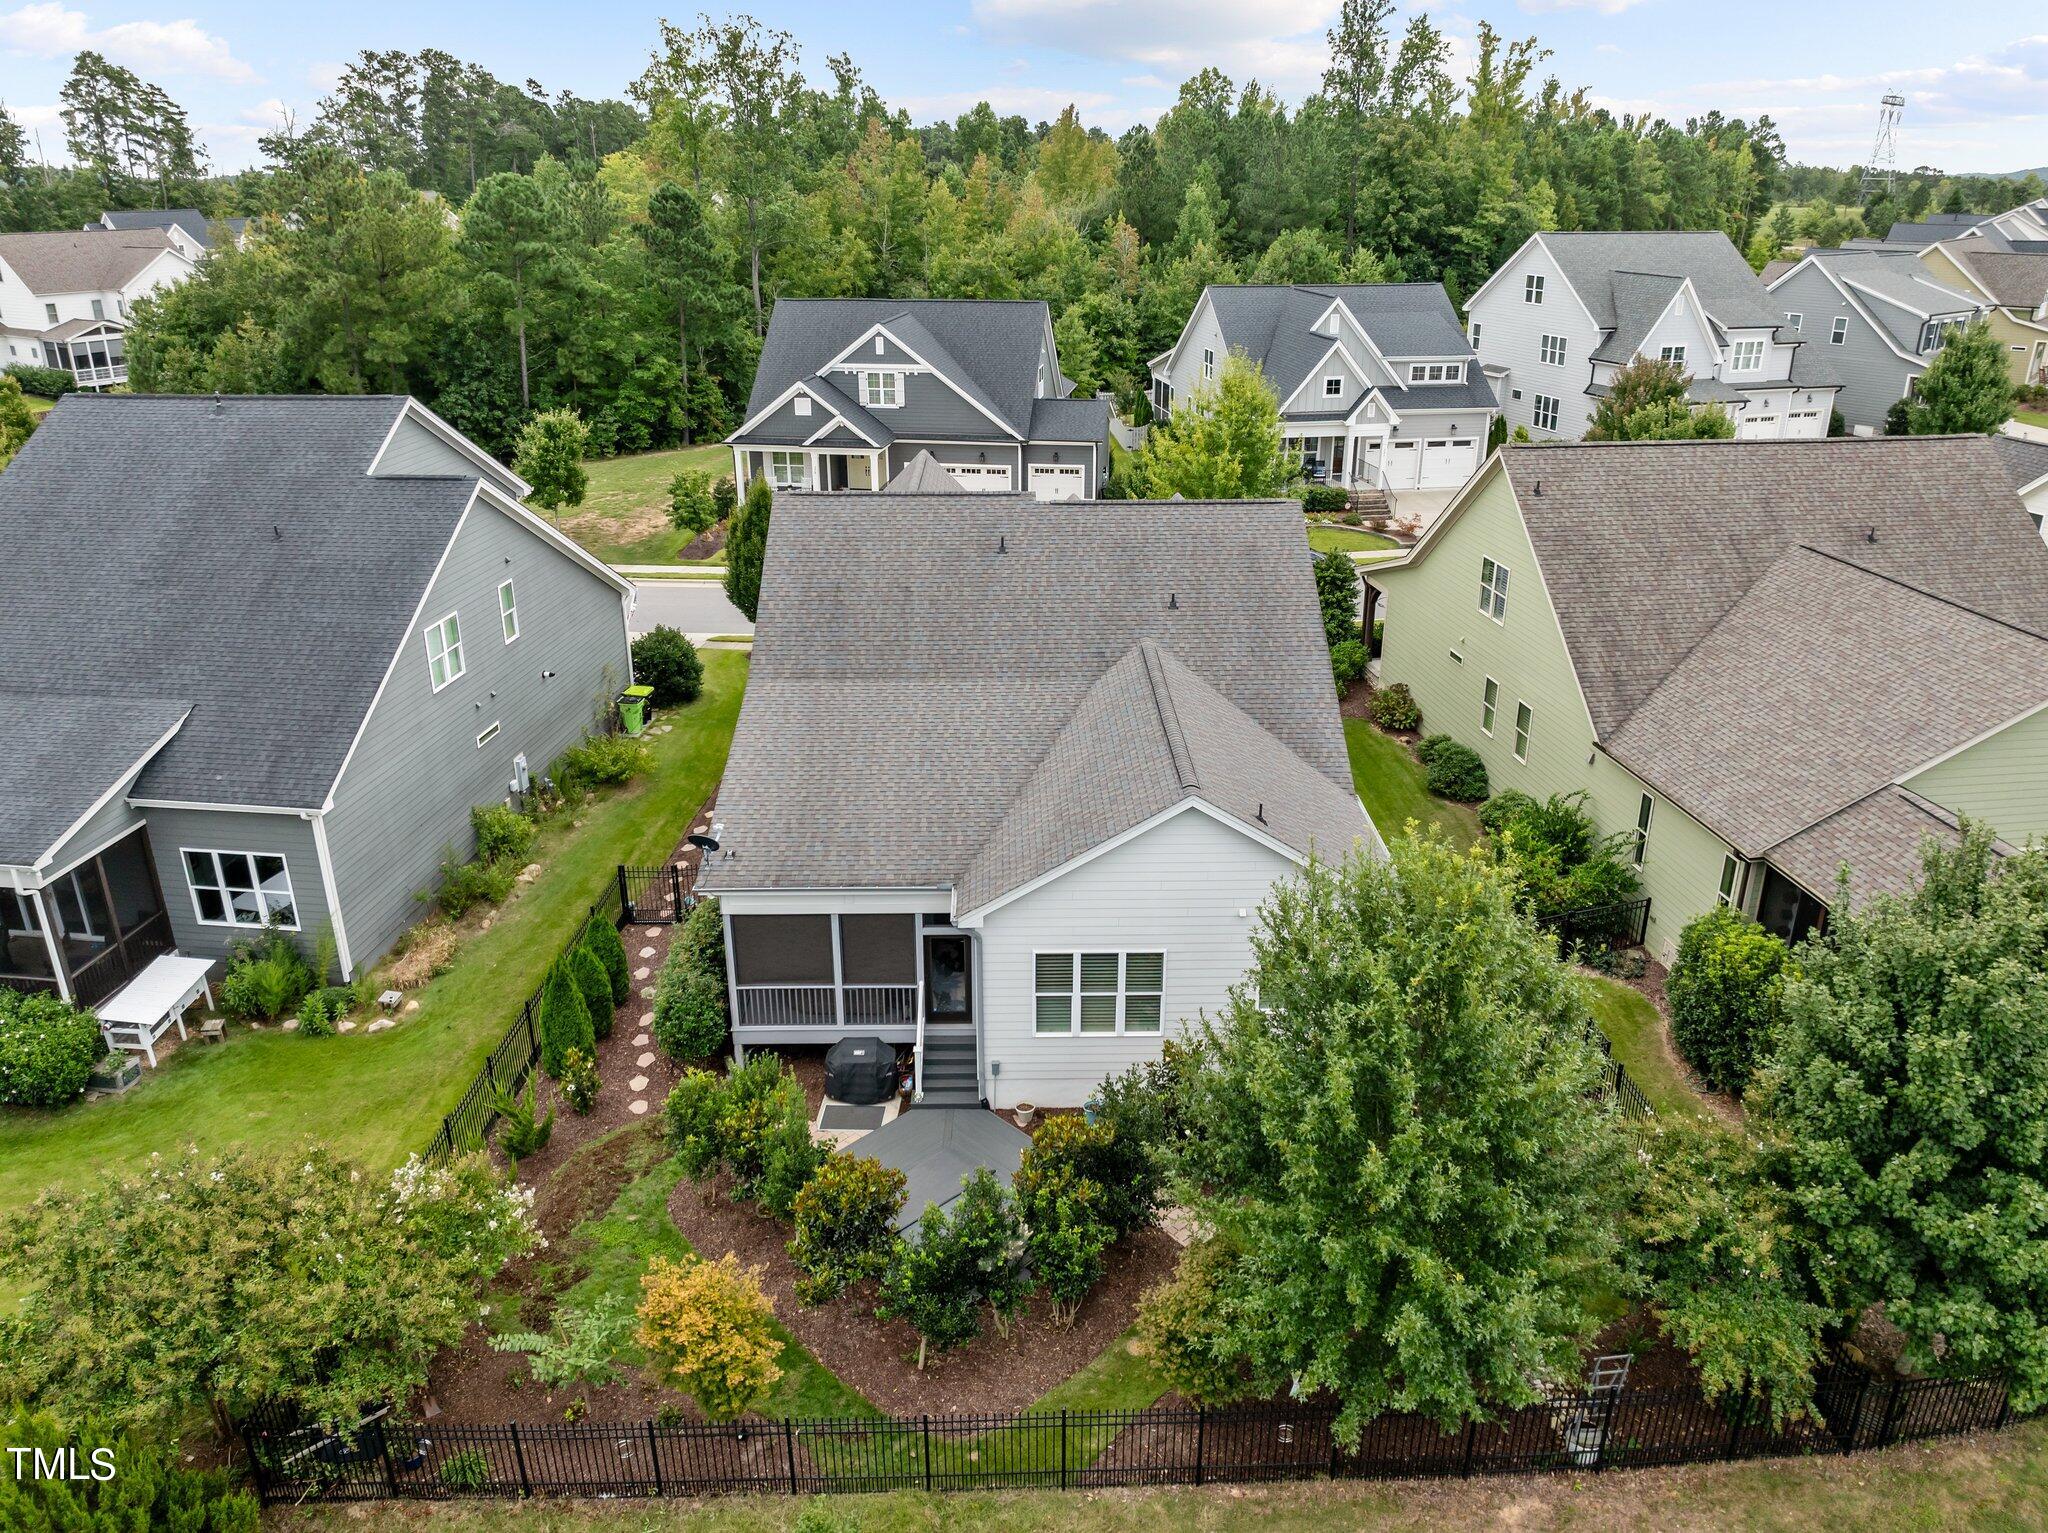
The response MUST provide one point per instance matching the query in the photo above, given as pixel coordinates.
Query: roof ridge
(1169, 717)
(1917, 590)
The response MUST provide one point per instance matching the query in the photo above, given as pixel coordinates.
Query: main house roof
(82, 260)
(1274, 327)
(1896, 276)
(988, 348)
(232, 559)
(965, 701)
(1773, 632)
(1626, 279)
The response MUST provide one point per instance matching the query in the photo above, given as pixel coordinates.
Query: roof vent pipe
(1002, 543)
(1172, 602)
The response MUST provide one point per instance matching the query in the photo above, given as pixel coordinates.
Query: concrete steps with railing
(952, 1069)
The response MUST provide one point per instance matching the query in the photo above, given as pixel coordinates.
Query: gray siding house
(850, 390)
(267, 655)
(1879, 318)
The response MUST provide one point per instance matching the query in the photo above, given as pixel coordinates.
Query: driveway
(697, 607)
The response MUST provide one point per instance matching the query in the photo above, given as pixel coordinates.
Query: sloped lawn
(379, 1098)
(624, 515)
(1390, 781)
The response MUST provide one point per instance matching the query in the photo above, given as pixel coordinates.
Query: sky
(1975, 76)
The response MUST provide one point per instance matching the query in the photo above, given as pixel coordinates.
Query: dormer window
(1746, 356)
(1532, 288)
(881, 391)
(1333, 388)
(1436, 372)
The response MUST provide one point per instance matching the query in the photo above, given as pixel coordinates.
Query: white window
(1333, 388)
(1672, 354)
(1553, 350)
(1546, 412)
(1487, 704)
(1208, 365)
(1645, 807)
(1532, 288)
(1099, 992)
(1746, 356)
(801, 405)
(1730, 871)
(489, 734)
(1841, 331)
(508, 611)
(1418, 372)
(1493, 589)
(788, 470)
(1934, 332)
(240, 889)
(881, 391)
(1794, 320)
(99, 309)
(1523, 719)
(444, 651)
(50, 312)
(1475, 334)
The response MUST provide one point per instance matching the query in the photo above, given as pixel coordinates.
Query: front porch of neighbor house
(84, 931)
(811, 468)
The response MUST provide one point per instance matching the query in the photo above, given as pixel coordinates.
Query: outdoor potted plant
(1023, 1113)
(115, 1073)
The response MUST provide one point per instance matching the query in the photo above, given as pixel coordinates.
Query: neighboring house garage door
(1760, 428)
(1403, 465)
(1448, 461)
(980, 476)
(1056, 481)
(1806, 423)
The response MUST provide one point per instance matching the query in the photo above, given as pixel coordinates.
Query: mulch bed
(705, 543)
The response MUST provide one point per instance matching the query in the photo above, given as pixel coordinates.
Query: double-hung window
(1493, 589)
(1476, 327)
(1840, 333)
(881, 391)
(1746, 356)
(1545, 412)
(1487, 704)
(508, 611)
(788, 470)
(1645, 808)
(1552, 350)
(1523, 719)
(1102, 992)
(1208, 365)
(444, 651)
(240, 889)
(1532, 288)
(1795, 320)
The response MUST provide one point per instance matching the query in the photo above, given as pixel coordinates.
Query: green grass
(1389, 779)
(378, 1099)
(37, 405)
(1634, 1031)
(2031, 417)
(1322, 539)
(624, 515)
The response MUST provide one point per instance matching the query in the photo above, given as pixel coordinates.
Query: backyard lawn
(1389, 780)
(624, 515)
(1635, 1033)
(37, 405)
(1322, 538)
(377, 1099)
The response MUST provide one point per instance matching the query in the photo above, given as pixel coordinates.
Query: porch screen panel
(878, 949)
(782, 950)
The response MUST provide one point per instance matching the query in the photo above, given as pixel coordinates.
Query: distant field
(624, 515)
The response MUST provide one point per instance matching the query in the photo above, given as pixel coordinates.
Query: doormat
(839, 1117)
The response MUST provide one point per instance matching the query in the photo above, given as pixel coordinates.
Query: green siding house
(1779, 663)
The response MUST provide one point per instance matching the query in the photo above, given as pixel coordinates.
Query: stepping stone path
(637, 1084)
(646, 991)
(637, 1108)
(645, 1059)
(639, 1040)
(646, 1020)
(647, 952)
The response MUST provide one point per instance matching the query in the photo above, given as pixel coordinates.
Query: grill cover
(860, 1070)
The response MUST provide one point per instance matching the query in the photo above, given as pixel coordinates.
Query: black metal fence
(656, 896)
(384, 1460)
(1628, 1097)
(1609, 926)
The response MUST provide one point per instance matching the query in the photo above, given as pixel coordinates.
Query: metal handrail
(917, 1052)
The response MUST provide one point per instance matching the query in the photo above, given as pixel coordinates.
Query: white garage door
(1056, 481)
(1403, 465)
(980, 476)
(1760, 428)
(1805, 423)
(1448, 462)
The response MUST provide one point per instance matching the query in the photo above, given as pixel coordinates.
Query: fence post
(675, 889)
(789, 1446)
(1201, 1423)
(1735, 1424)
(1471, 1436)
(1063, 1448)
(927, 1451)
(390, 1469)
(2004, 1408)
(257, 1473)
(1891, 1412)
(625, 900)
(654, 1455)
(519, 1458)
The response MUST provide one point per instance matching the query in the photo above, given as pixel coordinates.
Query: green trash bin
(634, 705)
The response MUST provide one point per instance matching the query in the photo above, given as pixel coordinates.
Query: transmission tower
(1883, 168)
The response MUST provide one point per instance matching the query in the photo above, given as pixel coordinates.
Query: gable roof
(1272, 324)
(923, 475)
(82, 260)
(64, 751)
(916, 667)
(190, 220)
(234, 555)
(1728, 290)
(2011, 279)
(1896, 276)
(2025, 460)
(1639, 299)
(989, 348)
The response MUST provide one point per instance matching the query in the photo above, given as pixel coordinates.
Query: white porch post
(739, 469)
(732, 990)
(58, 967)
(838, 974)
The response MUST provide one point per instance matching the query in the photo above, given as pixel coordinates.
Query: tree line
(620, 257)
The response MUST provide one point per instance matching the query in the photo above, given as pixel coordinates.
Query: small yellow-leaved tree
(709, 1331)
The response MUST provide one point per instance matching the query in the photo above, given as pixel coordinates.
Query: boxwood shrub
(1724, 992)
(1454, 771)
(47, 1049)
(1324, 499)
(1347, 663)
(50, 382)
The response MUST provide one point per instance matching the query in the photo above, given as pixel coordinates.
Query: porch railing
(100, 976)
(786, 1006)
(116, 373)
(881, 1005)
(917, 1051)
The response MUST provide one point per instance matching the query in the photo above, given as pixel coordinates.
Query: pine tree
(564, 1018)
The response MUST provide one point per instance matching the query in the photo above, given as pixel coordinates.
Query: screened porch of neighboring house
(86, 931)
(91, 350)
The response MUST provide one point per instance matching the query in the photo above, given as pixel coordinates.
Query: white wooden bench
(137, 1015)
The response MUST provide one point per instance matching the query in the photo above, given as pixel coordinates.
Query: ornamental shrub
(702, 940)
(145, 1486)
(599, 761)
(939, 1277)
(1347, 664)
(1726, 985)
(595, 986)
(845, 1225)
(1453, 771)
(1064, 1214)
(502, 833)
(523, 1132)
(725, 494)
(47, 1049)
(1068, 1149)
(1186, 1336)
(690, 507)
(580, 1346)
(755, 1104)
(709, 1331)
(1394, 708)
(50, 382)
(564, 1018)
(580, 1081)
(689, 1015)
(666, 660)
(266, 977)
(690, 1119)
(1324, 499)
(465, 885)
(609, 948)
(793, 1156)
(1337, 595)
(320, 1013)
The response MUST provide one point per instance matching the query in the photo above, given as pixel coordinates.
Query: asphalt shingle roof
(1639, 301)
(235, 555)
(2014, 280)
(1069, 420)
(923, 475)
(191, 220)
(2026, 461)
(1271, 324)
(912, 670)
(82, 260)
(1896, 275)
(1877, 839)
(1728, 290)
(63, 751)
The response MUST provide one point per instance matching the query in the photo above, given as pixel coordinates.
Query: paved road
(694, 606)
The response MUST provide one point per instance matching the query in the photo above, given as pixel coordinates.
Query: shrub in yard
(1394, 708)
(1066, 1229)
(941, 1276)
(580, 1081)
(144, 1486)
(599, 761)
(690, 507)
(756, 1104)
(609, 948)
(581, 1346)
(690, 1119)
(702, 940)
(1068, 1148)
(564, 1018)
(465, 885)
(710, 1331)
(1453, 771)
(725, 494)
(47, 1049)
(845, 1224)
(665, 659)
(1184, 1331)
(1324, 499)
(266, 977)
(320, 1013)
(50, 382)
(523, 1132)
(595, 986)
(1726, 985)
(689, 1015)
(1559, 858)
(1337, 595)
(467, 1470)
(793, 1156)
(502, 833)
(1347, 664)
(1142, 1108)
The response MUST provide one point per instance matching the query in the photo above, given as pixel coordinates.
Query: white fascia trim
(295, 812)
(831, 425)
(332, 893)
(118, 786)
(1338, 304)
(1372, 392)
(972, 920)
(546, 532)
(1187, 325)
(1487, 286)
(1007, 429)
(1449, 514)
(796, 388)
(846, 359)
(897, 901)
(489, 467)
(1975, 740)
(1315, 373)
(1856, 303)
(49, 876)
(1567, 281)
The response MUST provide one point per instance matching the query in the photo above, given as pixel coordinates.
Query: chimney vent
(1172, 602)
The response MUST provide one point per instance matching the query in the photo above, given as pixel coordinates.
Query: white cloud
(1601, 7)
(1280, 44)
(325, 75)
(51, 30)
(1036, 103)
